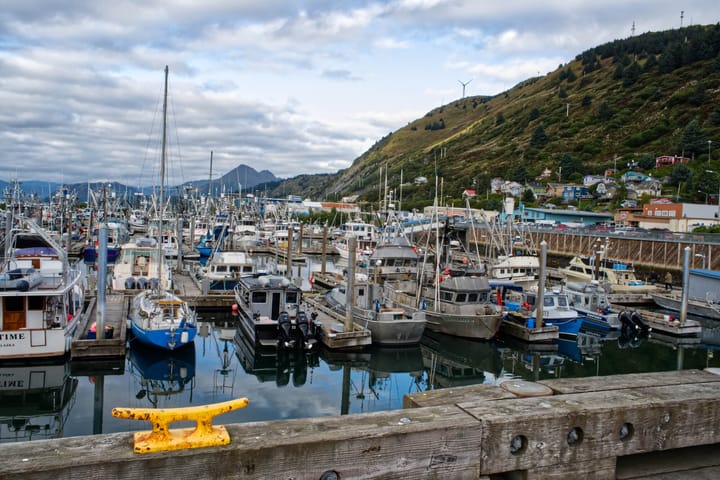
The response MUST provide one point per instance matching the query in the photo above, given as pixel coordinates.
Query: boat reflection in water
(35, 401)
(162, 375)
(279, 365)
(386, 374)
(453, 361)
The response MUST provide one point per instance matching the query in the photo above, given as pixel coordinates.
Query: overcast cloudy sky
(288, 86)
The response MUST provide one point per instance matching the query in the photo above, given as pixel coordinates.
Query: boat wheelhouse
(271, 315)
(38, 318)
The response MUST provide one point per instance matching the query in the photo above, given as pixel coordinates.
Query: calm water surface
(72, 400)
(220, 367)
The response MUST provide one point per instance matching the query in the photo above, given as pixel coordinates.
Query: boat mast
(162, 177)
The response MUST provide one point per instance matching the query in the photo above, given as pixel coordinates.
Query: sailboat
(158, 317)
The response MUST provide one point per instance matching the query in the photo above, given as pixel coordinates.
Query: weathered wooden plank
(606, 424)
(600, 469)
(630, 380)
(434, 442)
(449, 396)
(679, 463)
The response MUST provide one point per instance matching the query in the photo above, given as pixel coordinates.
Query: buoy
(234, 309)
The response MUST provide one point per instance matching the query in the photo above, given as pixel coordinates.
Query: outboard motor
(627, 324)
(637, 320)
(130, 283)
(285, 337)
(303, 326)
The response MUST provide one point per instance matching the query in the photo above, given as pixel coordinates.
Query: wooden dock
(659, 425)
(190, 291)
(334, 336)
(516, 326)
(670, 324)
(115, 317)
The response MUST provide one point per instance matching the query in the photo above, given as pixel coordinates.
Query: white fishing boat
(619, 276)
(39, 317)
(223, 270)
(141, 265)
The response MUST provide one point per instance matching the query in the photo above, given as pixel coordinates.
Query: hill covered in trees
(624, 101)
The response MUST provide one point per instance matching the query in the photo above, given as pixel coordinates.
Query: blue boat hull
(164, 338)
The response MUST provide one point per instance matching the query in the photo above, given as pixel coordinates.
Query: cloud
(268, 84)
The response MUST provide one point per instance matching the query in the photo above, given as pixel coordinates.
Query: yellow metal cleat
(161, 438)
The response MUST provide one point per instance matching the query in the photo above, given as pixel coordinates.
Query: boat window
(548, 302)
(259, 297)
(14, 304)
(247, 268)
(291, 297)
(221, 268)
(361, 292)
(473, 297)
(562, 301)
(461, 297)
(35, 303)
(446, 296)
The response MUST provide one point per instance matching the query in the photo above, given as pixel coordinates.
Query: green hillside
(627, 100)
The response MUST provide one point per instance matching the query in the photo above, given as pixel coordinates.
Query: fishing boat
(270, 313)
(117, 235)
(388, 325)
(556, 312)
(40, 315)
(223, 270)
(158, 317)
(458, 306)
(703, 295)
(141, 265)
(591, 301)
(365, 234)
(396, 259)
(619, 276)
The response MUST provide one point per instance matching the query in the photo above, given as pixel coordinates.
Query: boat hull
(467, 326)
(694, 307)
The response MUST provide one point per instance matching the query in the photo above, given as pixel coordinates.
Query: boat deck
(334, 336)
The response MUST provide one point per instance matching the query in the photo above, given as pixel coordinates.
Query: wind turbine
(464, 85)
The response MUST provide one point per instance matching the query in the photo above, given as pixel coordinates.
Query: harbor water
(74, 399)
(220, 367)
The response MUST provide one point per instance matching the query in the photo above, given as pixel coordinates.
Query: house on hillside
(634, 177)
(469, 194)
(663, 160)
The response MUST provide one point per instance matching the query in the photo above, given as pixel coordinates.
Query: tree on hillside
(539, 138)
(570, 165)
(693, 140)
(604, 112)
(630, 74)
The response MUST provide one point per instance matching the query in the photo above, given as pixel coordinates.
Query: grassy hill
(627, 100)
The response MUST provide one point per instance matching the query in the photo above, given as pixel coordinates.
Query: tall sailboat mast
(162, 176)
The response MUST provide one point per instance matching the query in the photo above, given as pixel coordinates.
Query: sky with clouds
(288, 86)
